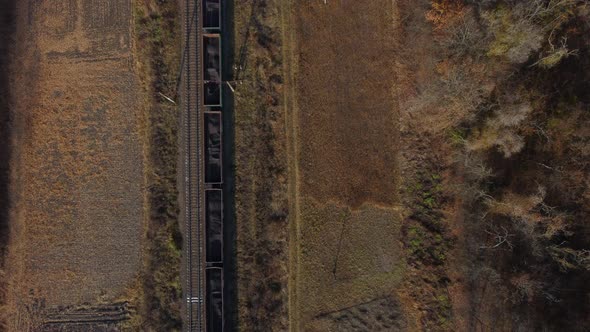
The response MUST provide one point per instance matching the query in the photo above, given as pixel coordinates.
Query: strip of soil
(6, 35)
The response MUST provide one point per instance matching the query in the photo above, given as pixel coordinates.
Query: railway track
(194, 265)
(203, 168)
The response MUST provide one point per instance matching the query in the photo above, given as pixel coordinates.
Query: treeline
(514, 78)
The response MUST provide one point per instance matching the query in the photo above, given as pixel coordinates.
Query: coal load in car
(214, 300)
(214, 225)
(213, 139)
(212, 69)
(211, 14)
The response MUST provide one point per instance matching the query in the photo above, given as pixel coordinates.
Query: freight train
(212, 112)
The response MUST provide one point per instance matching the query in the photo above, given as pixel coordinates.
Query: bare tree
(501, 238)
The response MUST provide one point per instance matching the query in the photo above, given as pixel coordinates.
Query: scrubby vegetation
(158, 38)
(513, 99)
(260, 167)
(427, 241)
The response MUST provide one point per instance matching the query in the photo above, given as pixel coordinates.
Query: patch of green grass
(429, 201)
(426, 241)
(416, 240)
(426, 246)
(427, 195)
(444, 305)
(457, 137)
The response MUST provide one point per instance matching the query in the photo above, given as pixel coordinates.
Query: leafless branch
(502, 237)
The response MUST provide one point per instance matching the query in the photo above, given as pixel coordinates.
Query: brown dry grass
(260, 168)
(77, 171)
(345, 250)
(347, 110)
(158, 294)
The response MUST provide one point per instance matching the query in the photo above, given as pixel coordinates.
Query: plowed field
(78, 166)
(346, 259)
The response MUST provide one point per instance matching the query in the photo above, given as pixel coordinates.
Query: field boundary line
(292, 125)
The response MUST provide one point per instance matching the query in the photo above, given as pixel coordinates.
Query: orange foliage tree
(444, 12)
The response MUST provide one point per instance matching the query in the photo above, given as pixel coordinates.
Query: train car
(213, 109)
(212, 69)
(214, 299)
(211, 11)
(213, 148)
(214, 226)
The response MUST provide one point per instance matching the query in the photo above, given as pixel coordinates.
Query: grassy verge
(157, 41)
(260, 191)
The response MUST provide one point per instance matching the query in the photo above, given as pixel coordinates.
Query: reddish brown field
(78, 166)
(346, 259)
(347, 111)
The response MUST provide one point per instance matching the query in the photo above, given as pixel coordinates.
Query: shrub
(555, 55)
(570, 259)
(514, 38)
(501, 130)
(465, 37)
(443, 12)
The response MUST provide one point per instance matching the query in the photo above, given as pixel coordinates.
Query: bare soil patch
(77, 169)
(347, 110)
